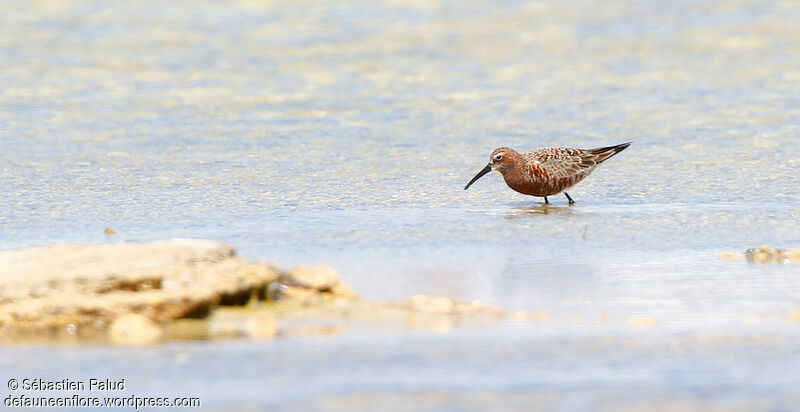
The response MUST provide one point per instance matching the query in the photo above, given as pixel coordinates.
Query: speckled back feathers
(552, 170)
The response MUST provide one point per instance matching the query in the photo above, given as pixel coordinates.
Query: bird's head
(501, 159)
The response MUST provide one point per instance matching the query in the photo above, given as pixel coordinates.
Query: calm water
(343, 133)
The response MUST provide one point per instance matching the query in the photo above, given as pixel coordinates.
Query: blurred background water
(344, 132)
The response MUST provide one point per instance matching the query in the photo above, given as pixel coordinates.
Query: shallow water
(343, 133)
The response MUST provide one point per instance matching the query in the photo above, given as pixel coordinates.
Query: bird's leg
(546, 201)
(572, 202)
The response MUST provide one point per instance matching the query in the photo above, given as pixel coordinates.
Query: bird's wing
(562, 162)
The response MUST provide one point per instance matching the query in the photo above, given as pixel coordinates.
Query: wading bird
(548, 171)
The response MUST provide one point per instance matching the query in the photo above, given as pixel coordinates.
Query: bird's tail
(604, 153)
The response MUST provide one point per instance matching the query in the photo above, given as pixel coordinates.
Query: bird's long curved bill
(480, 174)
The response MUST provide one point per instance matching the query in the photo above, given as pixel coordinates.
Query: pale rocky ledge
(130, 291)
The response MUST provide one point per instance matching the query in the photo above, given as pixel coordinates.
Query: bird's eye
(498, 157)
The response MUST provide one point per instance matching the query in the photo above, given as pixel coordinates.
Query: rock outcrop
(82, 285)
(133, 294)
(765, 255)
